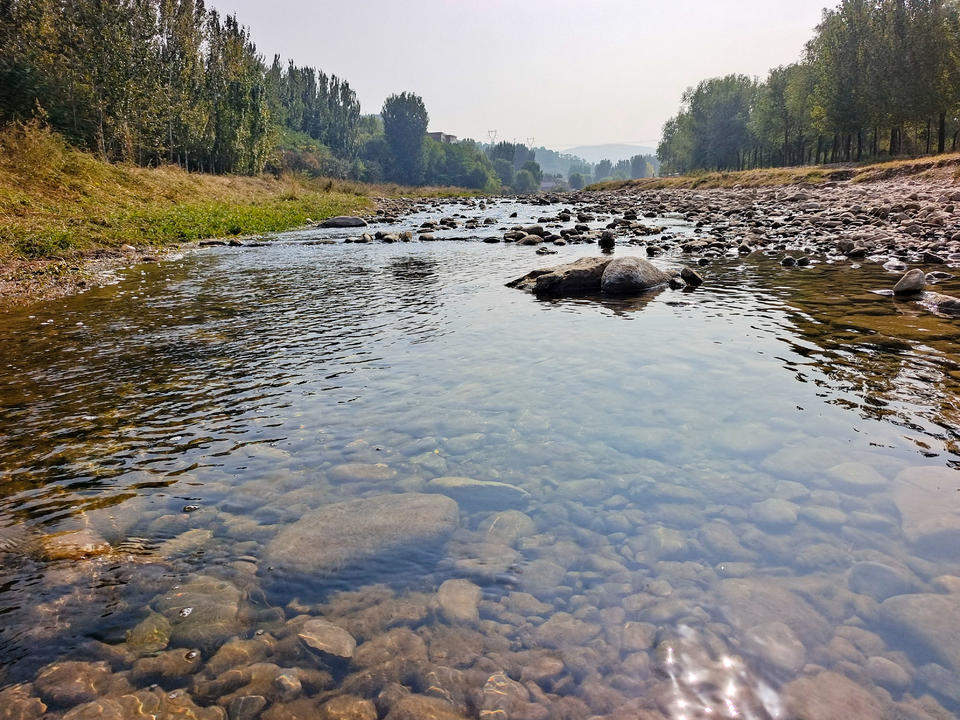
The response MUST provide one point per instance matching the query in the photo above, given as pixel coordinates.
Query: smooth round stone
(74, 545)
(774, 513)
(929, 621)
(823, 516)
(879, 581)
(347, 707)
(856, 478)
(887, 673)
(480, 494)
(371, 472)
(776, 644)
(458, 600)
(830, 696)
(70, 683)
(355, 531)
(327, 638)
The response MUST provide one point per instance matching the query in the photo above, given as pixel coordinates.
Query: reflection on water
(734, 502)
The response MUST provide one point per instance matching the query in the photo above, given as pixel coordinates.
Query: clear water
(241, 380)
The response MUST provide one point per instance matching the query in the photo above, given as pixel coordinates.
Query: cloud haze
(563, 72)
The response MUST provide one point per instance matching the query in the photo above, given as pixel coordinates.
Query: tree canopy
(879, 77)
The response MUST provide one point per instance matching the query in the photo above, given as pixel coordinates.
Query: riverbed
(739, 500)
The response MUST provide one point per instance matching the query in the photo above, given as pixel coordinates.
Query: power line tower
(492, 134)
(530, 142)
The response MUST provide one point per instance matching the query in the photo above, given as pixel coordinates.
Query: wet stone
(457, 602)
(152, 704)
(856, 478)
(777, 645)
(929, 505)
(879, 581)
(166, 666)
(930, 621)
(508, 527)
(351, 532)
(327, 639)
(347, 707)
(247, 707)
(774, 513)
(18, 703)
(830, 696)
(70, 683)
(203, 612)
(150, 635)
(480, 494)
(74, 545)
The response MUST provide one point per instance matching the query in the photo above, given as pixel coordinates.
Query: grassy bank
(771, 177)
(58, 202)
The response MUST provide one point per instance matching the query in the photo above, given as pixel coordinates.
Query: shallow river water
(740, 501)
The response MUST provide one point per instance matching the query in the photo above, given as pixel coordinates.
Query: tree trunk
(942, 133)
(859, 144)
(929, 129)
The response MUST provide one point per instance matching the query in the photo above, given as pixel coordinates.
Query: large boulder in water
(912, 283)
(343, 221)
(630, 276)
(356, 531)
(577, 278)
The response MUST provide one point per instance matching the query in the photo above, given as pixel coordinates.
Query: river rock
(327, 639)
(777, 645)
(457, 602)
(343, 221)
(507, 527)
(152, 704)
(887, 673)
(203, 612)
(879, 581)
(422, 707)
(70, 683)
(347, 707)
(929, 505)
(856, 477)
(576, 278)
(631, 275)
(931, 621)
(357, 530)
(830, 696)
(74, 545)
(166, 666)
(942, 303)
(18, 703)
(774, 512)
(745, 603)
(691, 277)
(150, 635)
(502, 697)
(480, 494)
(912, 283)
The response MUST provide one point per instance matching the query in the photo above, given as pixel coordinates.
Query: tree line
(172, 82)
(879, 78)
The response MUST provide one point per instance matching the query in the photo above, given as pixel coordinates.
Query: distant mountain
(612, 152)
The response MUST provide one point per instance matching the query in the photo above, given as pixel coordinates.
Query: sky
(563, 72)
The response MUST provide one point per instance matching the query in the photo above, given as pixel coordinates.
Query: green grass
(57, 202)
(804, 175)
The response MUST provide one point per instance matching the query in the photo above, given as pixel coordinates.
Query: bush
(577, 181)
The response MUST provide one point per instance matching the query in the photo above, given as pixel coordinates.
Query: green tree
(525, 182)
(405, 126)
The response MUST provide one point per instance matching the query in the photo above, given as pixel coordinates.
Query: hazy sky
(564, 72)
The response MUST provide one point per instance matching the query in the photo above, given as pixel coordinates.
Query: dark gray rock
(343, 221)
(912, 283)
(631, 276)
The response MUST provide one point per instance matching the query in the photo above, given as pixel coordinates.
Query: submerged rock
(830, 696)
(354, 531)
(930, 621)
(929, 505)
(630, 276)
(457, 602)
(70, 683)
(480, 494)
(328, 639)
(73, 545)
(203, 612)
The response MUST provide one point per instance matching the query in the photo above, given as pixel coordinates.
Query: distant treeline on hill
(879, 78)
